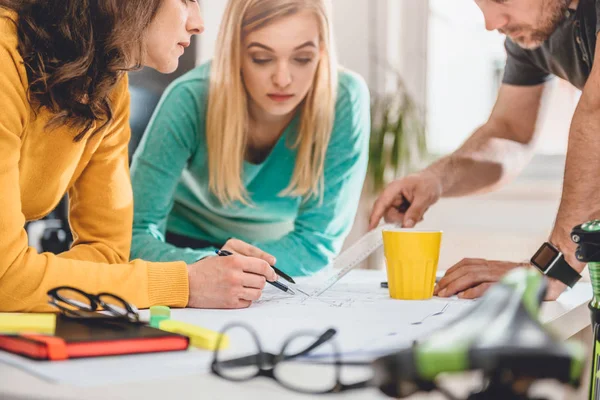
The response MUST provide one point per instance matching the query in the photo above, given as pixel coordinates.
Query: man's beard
(533, 37)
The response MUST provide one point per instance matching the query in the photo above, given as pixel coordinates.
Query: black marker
(282, 274)
(278, 285)
(404, 206)
(384, 285)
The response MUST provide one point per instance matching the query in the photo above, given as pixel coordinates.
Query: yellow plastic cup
(411, 259)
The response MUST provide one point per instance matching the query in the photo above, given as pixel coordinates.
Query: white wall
(461, 64)
(212, 11)
(351, 24)
(462, 86)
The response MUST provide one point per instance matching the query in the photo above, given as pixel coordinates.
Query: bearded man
(545, 38)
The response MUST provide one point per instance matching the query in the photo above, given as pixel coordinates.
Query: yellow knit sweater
(37, 167)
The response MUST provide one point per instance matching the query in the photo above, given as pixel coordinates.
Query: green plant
(398, 142)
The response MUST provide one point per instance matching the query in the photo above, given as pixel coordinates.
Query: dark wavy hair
(75, 51)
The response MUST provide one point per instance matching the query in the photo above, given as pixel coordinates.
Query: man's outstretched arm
(493, 155)
(499, 150)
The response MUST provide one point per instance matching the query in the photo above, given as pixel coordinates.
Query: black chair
(143, 102)
(56, 237)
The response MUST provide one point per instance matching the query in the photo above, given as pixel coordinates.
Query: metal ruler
(353, 256)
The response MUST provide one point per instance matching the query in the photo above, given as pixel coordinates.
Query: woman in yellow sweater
(64, 110)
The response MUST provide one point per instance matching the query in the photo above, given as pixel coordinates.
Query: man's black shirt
(568, 53)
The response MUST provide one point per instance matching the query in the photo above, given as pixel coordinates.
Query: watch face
(544, 257)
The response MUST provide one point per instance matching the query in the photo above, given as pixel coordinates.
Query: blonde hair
(227, 116)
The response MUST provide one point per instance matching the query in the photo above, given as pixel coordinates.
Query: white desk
(567, 317)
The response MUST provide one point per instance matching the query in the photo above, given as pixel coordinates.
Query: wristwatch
(551, 262)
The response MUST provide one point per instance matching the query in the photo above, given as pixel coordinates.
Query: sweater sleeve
(168, 144)
(320, 228)
(25, 275)
(104, 191)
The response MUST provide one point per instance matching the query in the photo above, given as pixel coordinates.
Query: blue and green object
(501, 332)
(587, 237)
(158, 314)
(589, 251)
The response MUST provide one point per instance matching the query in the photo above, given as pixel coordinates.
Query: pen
(277, 271)
(278, 285)
(283, 274)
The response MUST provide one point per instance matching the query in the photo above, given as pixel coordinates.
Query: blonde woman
(267, 144)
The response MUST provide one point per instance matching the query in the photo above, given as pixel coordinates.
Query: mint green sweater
(170, 184)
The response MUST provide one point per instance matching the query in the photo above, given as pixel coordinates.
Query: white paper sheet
(100, 371)
(368, 323)
(365, 317)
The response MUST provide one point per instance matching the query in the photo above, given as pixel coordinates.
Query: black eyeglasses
(298, 350)
(76, 303)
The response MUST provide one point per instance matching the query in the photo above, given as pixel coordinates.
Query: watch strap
(562, 271)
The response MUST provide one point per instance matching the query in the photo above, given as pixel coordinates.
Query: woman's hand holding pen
(228, 282)
(237, 246)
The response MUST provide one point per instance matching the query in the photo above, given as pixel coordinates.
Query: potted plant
(398, 142)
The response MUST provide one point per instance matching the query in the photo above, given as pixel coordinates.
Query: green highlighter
(158, 314)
